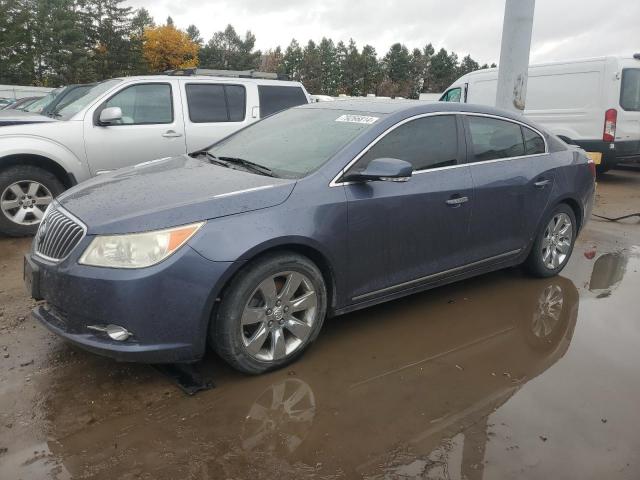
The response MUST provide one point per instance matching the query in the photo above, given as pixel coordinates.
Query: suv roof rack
(187, 72)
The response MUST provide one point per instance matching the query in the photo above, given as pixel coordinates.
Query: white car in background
(126, 121)
(593, 103)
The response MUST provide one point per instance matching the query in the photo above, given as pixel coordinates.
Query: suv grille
(57, 235)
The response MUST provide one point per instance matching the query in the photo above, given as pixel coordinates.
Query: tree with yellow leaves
(167, 48)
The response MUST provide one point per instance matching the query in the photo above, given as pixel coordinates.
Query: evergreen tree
(371, 71)
(397, 62)
(352, 70)
(329, 67)
(443, 70)
(311, 68)
(194, 35)
(113, 32)
(467, 65)
(139, 23)
(226, 50)
(292, 60)
(416, 73)
(16, 52)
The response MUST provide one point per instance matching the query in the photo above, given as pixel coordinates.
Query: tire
(254, 333)
(16, 219)
(538, 263)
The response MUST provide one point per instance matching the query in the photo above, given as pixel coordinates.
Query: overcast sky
(562, 28)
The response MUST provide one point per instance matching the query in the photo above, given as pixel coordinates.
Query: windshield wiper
(212, 158)
(255, 167)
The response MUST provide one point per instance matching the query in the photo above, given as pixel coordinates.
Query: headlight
(137, 250)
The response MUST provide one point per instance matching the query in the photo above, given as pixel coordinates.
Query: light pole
(514, 55)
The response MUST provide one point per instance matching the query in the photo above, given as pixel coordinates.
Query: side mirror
(110, 115)
(384, 169)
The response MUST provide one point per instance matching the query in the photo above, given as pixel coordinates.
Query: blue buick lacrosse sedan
(313, 212)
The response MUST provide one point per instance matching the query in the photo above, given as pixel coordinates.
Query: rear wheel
(554, 244)
(271, 312)
(25, 193)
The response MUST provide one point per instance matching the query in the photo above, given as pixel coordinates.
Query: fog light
(115, 332)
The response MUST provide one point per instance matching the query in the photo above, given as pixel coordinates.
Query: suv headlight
(137, 250)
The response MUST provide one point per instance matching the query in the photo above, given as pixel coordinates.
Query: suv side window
(274, 98)
(533, 143)
(452, 95)
(492, 139)
(147, 103)
(209, 102)
(428, 142)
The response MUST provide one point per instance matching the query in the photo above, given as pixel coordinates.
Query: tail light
(592, 166)
(610, 118)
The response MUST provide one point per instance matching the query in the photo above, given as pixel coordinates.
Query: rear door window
(630, 89)
(429, 142)
(493, 139)
(274, 98)
(212, 103)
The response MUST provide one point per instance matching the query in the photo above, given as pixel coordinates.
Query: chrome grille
(58, 234)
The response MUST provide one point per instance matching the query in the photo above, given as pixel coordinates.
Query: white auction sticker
(357, 119)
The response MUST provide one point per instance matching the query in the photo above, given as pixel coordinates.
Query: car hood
(168, 192)
(18, 117)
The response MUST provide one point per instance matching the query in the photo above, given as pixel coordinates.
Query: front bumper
(166, 307)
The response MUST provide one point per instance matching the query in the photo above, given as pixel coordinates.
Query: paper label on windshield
(357, 119)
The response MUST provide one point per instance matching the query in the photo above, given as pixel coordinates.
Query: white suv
(126, 121)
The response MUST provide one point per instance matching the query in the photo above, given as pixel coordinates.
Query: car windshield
(39, 104)
(70, 109)
(294, 143)
(630, 91)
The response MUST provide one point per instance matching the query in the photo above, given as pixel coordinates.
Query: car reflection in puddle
(381, 391)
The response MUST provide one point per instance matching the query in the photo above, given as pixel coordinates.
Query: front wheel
(270, 313)
(25, 193)
(554, 243)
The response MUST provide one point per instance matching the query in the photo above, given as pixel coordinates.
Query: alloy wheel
(279, 316)
(25, 202)
(556, 244)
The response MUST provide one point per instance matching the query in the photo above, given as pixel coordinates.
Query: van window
(428, 142)
(533, 143)
(210, 103)
(452, 95)
(630, 90)
(274, 98)
(493, 139)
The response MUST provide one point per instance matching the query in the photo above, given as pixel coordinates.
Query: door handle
(171, 134)
(542, 183)
(457, 201)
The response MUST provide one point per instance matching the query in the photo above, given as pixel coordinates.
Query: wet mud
(501, 376)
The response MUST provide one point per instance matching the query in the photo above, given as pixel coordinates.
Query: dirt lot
(502, 376)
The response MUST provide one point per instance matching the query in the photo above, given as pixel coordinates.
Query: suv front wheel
(25, 193)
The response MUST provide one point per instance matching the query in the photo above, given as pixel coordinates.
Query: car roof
(411, 107)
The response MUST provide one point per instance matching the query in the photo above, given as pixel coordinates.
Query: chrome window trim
(336, 183)
(71, 216)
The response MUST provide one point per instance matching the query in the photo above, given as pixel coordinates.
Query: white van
(594, 103)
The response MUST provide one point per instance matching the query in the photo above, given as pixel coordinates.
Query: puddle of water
(502, 376)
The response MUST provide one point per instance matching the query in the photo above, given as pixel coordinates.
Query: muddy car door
(513, 178)
(401, 232)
